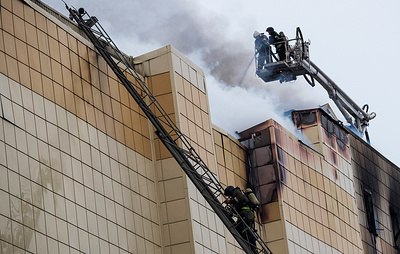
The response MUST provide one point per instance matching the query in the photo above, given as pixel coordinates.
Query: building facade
(82, 171)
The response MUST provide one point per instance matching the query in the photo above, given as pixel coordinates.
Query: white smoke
(141, 26)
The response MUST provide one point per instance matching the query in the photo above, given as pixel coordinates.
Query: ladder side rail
(107, 46)
(175, 150)
(218, 208)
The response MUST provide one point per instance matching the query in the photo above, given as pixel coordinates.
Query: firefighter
(263, 50)
(244, 207)
(279, 42)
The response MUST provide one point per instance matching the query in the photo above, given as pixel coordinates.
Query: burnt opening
(370, 213)
(395, 218)
(305, 118)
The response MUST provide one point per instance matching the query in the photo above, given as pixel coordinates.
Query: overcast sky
(354, 42)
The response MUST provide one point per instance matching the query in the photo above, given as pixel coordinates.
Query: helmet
(228, 190)
(270, 29)
(256, 34)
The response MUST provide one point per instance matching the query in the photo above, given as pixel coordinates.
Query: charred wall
(377, 186)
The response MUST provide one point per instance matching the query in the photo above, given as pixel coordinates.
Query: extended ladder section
(298, 63)
(166, 130)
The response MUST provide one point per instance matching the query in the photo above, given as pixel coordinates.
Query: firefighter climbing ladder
(166, 130)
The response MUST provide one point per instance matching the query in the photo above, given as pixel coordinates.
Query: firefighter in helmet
(245, 207)
(262, 48)
(279, 42)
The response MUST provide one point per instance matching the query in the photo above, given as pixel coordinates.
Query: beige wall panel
(7, 20)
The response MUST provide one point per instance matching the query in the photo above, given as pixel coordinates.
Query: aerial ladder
(297, 63)
(166, 130)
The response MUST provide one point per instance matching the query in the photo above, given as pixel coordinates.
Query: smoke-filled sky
(353, 42)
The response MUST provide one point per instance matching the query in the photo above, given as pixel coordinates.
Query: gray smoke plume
(182, 24)
(191, 32)
(200, 33)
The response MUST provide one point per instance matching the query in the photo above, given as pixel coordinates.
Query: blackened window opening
(369, 210)
(396, 228)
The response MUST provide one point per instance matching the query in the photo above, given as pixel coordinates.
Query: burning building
(82, 170)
